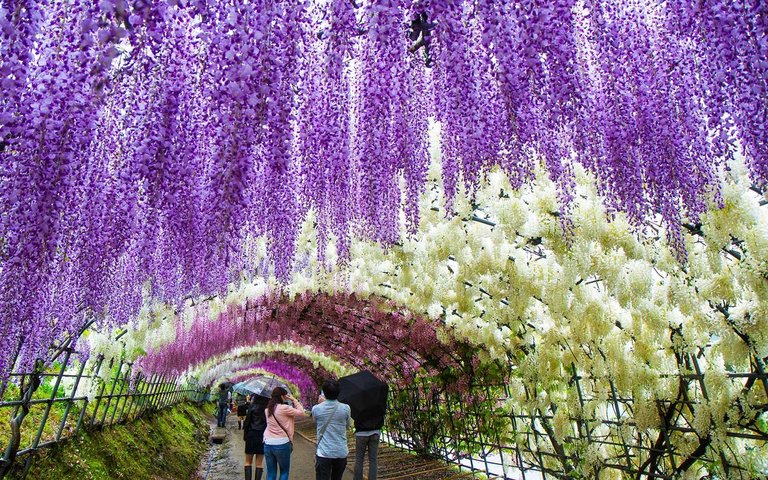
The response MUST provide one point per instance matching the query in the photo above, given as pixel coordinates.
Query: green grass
(164, 445)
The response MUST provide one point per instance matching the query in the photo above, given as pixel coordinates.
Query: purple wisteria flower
(144, 146)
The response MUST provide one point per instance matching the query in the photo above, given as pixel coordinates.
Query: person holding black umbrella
(367, 397)
(333, 419)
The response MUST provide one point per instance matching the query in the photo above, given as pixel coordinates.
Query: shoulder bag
(290, 442)
(325, 427)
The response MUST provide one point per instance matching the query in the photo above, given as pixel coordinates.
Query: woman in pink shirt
(278, 437)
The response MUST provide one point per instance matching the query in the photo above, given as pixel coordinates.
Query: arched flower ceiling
(146, 144)
(266, 356)
(296, 370)
(357, 332)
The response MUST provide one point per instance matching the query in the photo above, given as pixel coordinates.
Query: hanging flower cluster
(297, 374)
(155, 141)
(341, 326)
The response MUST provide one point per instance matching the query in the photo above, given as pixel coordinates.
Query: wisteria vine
(145, 146)
(356, 331)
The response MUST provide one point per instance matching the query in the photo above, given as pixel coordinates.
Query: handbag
(247, 424)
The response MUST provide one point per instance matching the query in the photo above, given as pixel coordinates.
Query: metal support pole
(178, 391)
(162, 392)
(168, 392)
(155, 394)
(619, 423)
(135, 397)
(51, 400)
(101, 389)
(71, 400)
(128, 395)
(119, 396)
(147, 397)
(111, 391)
(158, 390)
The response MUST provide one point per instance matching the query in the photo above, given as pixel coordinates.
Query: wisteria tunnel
(543, 223)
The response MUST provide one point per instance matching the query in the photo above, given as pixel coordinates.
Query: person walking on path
(223, 406)
(253, 433)
(278, 437)
(242, 411)
(333, 418)
(367, 434)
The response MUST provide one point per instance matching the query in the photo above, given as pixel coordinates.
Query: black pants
(329, 468)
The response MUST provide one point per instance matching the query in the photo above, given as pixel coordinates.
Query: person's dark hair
(277, 399)
(258, 399)
(331, 389)
(222, 386)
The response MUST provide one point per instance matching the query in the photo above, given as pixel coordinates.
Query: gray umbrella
(261, 386)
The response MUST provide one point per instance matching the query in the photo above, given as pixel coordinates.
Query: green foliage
(33, 420)
(762, 423)
(165, 445)
(11, 392)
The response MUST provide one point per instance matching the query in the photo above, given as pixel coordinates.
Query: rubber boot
(239, 424)
(248, 472)
(259, 471)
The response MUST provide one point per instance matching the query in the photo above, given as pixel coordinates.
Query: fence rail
(116, 395)
(523, 442)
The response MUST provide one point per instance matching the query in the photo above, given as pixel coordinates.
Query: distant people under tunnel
(223, 405)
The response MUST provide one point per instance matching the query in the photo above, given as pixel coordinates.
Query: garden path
(225, 461)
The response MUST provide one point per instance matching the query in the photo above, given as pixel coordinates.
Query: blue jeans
(275, 455)
(222, 418)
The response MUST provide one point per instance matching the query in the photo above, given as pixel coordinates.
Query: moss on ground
(164, 445)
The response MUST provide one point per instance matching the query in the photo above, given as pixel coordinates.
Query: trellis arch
(276, 362)
(553, 403)
(343, 326)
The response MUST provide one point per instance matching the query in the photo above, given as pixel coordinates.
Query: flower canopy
(146, 145)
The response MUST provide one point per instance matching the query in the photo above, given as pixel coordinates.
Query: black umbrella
(366, 396)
